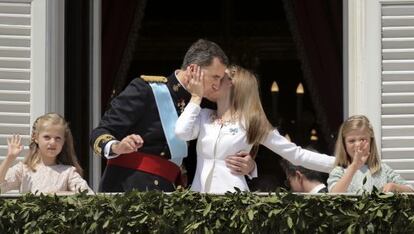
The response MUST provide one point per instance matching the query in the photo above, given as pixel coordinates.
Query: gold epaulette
(154, 79)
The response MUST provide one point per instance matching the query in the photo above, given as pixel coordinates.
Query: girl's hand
(390, 187)
(196, 81)
(361, 154)
(15, 146)
(393, 187)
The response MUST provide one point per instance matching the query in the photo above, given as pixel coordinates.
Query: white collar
(179, 81)
(317, 188)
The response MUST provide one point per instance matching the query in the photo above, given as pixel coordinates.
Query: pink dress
(46, 179)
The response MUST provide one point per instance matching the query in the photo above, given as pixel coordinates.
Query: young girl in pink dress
(51, 165)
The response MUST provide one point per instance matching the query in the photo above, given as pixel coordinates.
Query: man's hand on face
(240, 164)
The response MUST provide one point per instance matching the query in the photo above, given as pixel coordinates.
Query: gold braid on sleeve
(102, 139)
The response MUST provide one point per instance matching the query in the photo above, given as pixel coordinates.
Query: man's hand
(129, 144)
(240, 164)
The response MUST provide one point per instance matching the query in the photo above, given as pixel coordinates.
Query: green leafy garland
(188, 212)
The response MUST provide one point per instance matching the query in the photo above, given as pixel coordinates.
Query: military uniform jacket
(134, 111)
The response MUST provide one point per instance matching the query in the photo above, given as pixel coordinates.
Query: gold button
(156, 182)
(162, 153)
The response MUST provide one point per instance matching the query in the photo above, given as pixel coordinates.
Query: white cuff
(253, 173)
(107, 149)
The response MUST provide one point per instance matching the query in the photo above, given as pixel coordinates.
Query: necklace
(221, 121)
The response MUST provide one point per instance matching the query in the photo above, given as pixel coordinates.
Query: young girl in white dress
(238, 124)
(51, 165)
(358, 164)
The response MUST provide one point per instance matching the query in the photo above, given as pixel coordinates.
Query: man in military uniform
(132, 134)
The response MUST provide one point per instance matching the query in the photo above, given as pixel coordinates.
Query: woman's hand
(15, 146)
(196, 81)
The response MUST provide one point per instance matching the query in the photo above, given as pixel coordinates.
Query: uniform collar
(181, 94)
(317, 188)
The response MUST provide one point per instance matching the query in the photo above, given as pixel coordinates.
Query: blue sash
(168, 116)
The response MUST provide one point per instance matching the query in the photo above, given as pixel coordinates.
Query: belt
(148, 163)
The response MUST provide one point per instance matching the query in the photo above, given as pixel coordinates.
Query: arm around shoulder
(298, 156)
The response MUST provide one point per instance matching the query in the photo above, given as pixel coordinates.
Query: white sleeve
(107, 149)
(13, 178)
(296, 155)
(253, 173)
(76, 182)
(188, 124)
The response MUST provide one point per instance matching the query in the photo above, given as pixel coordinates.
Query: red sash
(148, 163)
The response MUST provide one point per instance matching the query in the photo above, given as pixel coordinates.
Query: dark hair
(311, 175)
(202, 52)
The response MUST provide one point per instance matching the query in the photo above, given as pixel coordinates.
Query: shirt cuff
(107, 150)
(253, 173)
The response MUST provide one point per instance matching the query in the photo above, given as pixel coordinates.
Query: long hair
(67, 156)
(356, 122)
(245, 101)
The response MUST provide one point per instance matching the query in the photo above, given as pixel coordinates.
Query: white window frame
(362, 60)
(363, 63)
(48, 47)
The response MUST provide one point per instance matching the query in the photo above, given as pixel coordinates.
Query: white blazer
(216, 141)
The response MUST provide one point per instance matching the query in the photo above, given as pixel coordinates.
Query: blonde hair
(67, 156)
(356, 122)
(245, 101)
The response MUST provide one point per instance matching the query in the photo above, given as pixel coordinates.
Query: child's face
(357, 139)
(50, 139)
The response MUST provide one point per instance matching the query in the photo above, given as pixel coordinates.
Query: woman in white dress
(238, 124)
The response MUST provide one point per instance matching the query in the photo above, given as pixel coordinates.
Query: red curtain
(316, 27)
(120, 24)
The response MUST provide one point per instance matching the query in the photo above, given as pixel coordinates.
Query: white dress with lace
(46, 179)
